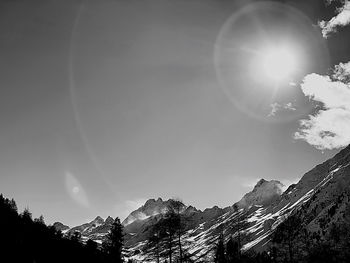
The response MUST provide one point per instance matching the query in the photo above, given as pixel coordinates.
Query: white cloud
(289, 106)
(124, 209)
(340, 20)
(289, 182)
(342, 72)
(328, 127)
(275, 107)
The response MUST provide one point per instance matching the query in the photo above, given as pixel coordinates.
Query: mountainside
(319, 199)
(95, 230)
(151, 208)
(264, 193)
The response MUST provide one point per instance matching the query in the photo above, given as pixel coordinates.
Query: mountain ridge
(319, 190)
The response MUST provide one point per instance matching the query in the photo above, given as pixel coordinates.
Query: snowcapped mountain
(319, 199)
(264, 193)
(96, 230)
(151, 208)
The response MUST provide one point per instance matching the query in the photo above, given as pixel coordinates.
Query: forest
(24, 239)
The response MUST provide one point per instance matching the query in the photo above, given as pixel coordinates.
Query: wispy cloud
(132, 205)
(328, 127)
(124, 209)
(275, 107)
(340, 20)
(289, 106)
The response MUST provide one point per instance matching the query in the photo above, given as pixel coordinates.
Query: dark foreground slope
(23, 239)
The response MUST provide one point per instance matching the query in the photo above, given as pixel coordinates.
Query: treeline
(24, 239)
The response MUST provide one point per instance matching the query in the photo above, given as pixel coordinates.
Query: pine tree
(232, 251)
(154, 241)
(220, 256)
(174, 210)
(115, 241)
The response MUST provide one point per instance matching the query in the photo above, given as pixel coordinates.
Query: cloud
(275, 107)
(342, 72)
(125, 208)
(329, 126)
(289, 182)
(132, 205)
(340, 20)
(289, 106)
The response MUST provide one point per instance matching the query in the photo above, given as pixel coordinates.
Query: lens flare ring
(260, 50)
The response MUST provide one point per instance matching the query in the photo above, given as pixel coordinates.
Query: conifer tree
(220, 256)
(115, 241)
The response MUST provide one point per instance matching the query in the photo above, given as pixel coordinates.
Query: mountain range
(319, 199)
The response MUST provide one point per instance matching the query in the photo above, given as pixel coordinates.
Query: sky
(105, 104)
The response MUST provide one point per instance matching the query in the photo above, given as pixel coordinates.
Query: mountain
(319, 199)
(264, 193)
(151, 208)
(95, 230)
(60, 227)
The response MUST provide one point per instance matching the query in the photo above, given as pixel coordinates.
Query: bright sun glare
(277, 63)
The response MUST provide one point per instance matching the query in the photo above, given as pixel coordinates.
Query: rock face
(320, 198)
(61, 227)
(264, 193)
(151, 208)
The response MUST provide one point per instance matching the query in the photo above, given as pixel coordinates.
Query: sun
(277, 63)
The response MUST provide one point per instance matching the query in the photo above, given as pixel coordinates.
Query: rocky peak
(98, 219)
(152, 207)
(191, 209)
(152, 202)
(109, 220)
(259, 183)
(60, 227)
(264, 193)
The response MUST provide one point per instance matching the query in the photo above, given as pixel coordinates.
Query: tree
(154, 240)
(286, 235)
(220, 256)
(40, 220)
(169, 230)
(76, 237)
(232, 249)
(239, 224)
(91, 245)
(27, 215)
(175, 208)
(166, 234)
(115, 241)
